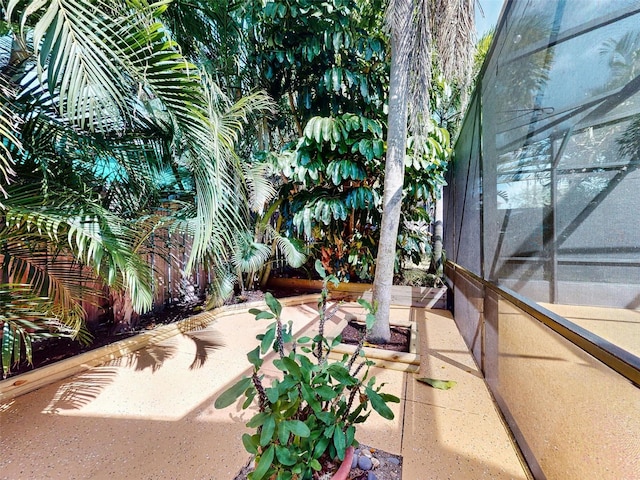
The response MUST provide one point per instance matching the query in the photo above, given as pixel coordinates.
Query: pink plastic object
(345, 467)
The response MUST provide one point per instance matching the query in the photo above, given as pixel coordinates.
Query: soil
(399, 342)
(390, 467)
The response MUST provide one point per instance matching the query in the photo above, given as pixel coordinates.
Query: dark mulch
(400, 337)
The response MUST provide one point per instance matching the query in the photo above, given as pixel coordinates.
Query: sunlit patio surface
(618, 325)
(150, 414)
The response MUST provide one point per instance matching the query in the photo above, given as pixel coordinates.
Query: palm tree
(108, 63)
(97, 102)
(420, 30)
(623, 57)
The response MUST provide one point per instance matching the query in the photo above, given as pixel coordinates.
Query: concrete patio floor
(150, 414)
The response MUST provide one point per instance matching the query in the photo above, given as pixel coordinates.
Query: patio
(149, 414)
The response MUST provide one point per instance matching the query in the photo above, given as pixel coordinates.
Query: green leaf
(337, 40)
(283, 434)
(370, 320)
(230, 395)
(378, 404)
(317, 129)
(268, 338)
(315, 464)
(254, 357)
(264, 315)
(250, 394)
(270, 9)
(340, 442)
(351, 434)
(298, 427)
(378, 148)
(264, 464)
(293, 395)
(387, 397)
(355, 122)
(325, 392)
(336, 132)
(285, 456)
(320, 446)
(327, 126)
(328, 432)
(268, 428)
(273, 303)
(309, 129)
(257, 420)
(308, 395)
(251, 443)
(364, 89)
(7, 337)
(336, 77)
(327, 418)
(272, 393)
(439, 384)
(341, 374)
(365, 304)
(291, 366)
(320, 269)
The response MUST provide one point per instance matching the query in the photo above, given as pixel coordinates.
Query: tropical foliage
(328, 66)
(104, 121)
(332, 175)
(122, 122)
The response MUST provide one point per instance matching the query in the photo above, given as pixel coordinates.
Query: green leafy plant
(307, 417)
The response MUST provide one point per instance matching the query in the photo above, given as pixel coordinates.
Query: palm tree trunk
(401, 30)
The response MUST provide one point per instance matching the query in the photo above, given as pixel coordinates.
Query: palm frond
(74, 43)
(123, 166)
(440, 31)
(292, 251)
(220, 288)
(454, 37)
(260, 187)
(8, 133)
(250, 256)
(100, 63)
(95, 59)
(25, 316)
(420, 68)
(231, 118)
(29, 259)
(95, 237)
(217, 171)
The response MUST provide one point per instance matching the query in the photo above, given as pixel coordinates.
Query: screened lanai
(542, 233)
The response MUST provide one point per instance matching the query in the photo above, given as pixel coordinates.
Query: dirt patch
(399, 342)
(387, 466)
